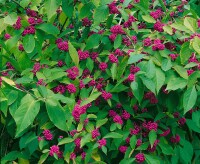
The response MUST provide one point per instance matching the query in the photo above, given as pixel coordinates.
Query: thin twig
(63, 25)
(120, 21)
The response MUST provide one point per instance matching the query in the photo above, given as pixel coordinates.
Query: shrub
(100, 81)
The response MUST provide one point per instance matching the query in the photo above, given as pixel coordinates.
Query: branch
(63, 25)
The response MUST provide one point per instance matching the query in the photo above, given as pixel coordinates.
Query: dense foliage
(100, 81)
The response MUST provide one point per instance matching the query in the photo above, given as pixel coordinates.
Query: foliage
(100, 81)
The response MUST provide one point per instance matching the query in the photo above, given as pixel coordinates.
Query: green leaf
(168, 29)
(191, 24)
(152, 137)
(30, 141)
(186, 152)
(91, 98)
(48, 28)
(24, 3)
(11, 156)
(43, 157)
(121, 67)
(56, 114)
(74, 54)
(65, 141)
(149, 83)
(93, 41)
(166, 64)
(8, 81)
(165, 147)
(185, 52)
(90, 64)
(190, 65)
(159, 79)
(26, 113)
(127, 161)
(105, 2)
(148, 19)
(29, 43)
(91, 116)
(100, 14)
(101, 122)
(191, 124)
(189, 99)
(143, 5)
(85, 139)
(24, 61)
(12, 42)
(113, 135)
(124, 14)
(181, 71)
(89, 127)
(114, 71)
(135, 58)
(4, 102)
(51, 6)
(126, 3)
(151, 69)
(10, 19)
(104, 149)
(162, 5)
(80, 127)
(12, 96)
(143, 146)
(196, 44)
(138, 89)
(176, 83)
(179, 26)
(2, 2)
(133, 141)
(193, 78)
(119, 88)
(85, 11)
(196, 118)
(68, 7)
(118, 41)
(151, 159)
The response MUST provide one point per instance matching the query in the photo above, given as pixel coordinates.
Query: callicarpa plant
(100, 81)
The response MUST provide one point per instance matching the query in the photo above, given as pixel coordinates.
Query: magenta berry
(140, 158)
(18, 25)
(7, 36)
(117, 29)
(106, 95)
(54, 149)
(95, 133)
(158, 26)
(47, 135)
(72, 156)
(21, 47)
(156, 14)
(165, 133)
(147, 42)
(113, 58)
(103, 66)
(125, 115)
(102, 142)
(117, 119)
(83, 54)
(86, 22)
(71, 88)
(63, 45)
(73, 73)
(123, 149)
